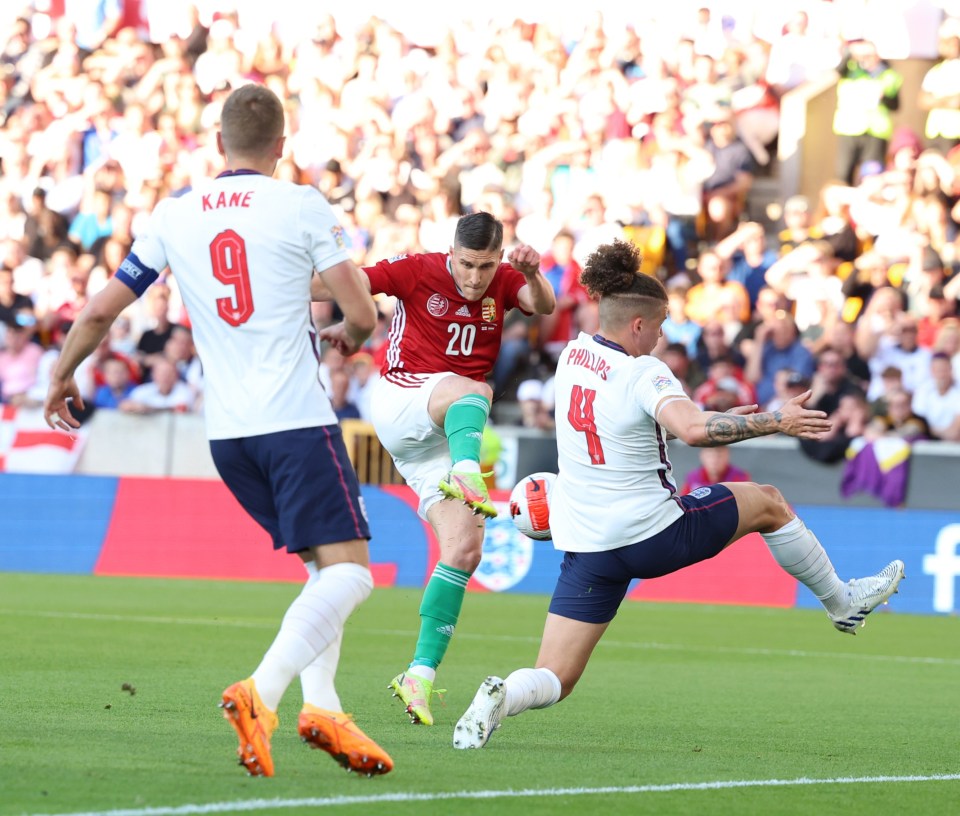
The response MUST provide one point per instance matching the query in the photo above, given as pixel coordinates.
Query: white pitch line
(386, 798)
(604, 644)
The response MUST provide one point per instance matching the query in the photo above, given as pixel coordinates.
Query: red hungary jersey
(435, 328)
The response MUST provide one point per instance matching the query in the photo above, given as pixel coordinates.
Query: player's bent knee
(479, 388)
(775, 507)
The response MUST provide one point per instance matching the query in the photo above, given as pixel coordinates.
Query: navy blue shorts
(298, 485)
(592, 585)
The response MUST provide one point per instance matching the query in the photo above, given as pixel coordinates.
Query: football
(530, 505)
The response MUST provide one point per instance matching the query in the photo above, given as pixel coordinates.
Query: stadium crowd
(653, 134)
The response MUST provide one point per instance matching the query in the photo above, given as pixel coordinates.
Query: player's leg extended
(461, 407)
(565, 648)
(798, 551)
(322, 723)
(460, 536)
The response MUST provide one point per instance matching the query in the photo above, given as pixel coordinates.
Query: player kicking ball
(616, 404)
(431, 404)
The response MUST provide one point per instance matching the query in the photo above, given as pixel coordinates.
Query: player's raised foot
(254, 724)
(866, 594)
(470, 489)
(338, 735)
(415, 693)
(482, 718)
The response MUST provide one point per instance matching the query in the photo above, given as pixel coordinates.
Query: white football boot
(482, 718)
(866, 594)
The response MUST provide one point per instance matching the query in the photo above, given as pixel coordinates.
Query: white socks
(313, 622)
(317, 680)
(530, 688)
(798, 551)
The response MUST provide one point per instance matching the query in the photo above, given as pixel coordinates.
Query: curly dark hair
(614, 269)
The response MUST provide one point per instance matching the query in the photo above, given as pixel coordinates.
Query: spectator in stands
(364, 373)
(715, 467)
(154, 339)
(868, 91)
(769, 302)
(44, 228)
(19, 358)
(787, 384)
(94, 220)
(900, 420)
(937, 310)
(940, 91)
(343, 406)
(724, 375)
(895, 346)
(777, 346)
(839, 338)
(745, 250)
(678, 327)
(725, 191)
(797, 56)
(806, 277)
(715, 297)
(797, 223)
(117, 384)
(870, 273)
(533, 397)
(831, 382)
(574, 307)
(593, 228)
(714, 346)
(850, 421)
(679, 165)
(684, 368)
(923, 272)
(11, 302)
(937, 400)
(165, 392)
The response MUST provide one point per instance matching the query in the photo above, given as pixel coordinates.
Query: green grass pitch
(108, 692)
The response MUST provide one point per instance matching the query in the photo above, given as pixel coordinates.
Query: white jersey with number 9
(243, 248)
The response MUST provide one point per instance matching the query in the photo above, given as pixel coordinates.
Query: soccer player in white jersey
(616, 406)
(243, 248)
(432, 401)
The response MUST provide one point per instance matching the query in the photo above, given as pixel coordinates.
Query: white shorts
(418, 446)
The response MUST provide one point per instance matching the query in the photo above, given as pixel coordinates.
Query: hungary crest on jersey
(488, 309)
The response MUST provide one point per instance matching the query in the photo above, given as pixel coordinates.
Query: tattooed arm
(708, 429)
(724, 429)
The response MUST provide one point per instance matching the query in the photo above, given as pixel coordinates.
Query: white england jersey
(243, 248)
(615, 484)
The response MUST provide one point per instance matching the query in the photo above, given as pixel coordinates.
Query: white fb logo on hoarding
(944, 565)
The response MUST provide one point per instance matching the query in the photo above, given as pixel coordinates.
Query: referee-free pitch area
(109, 691)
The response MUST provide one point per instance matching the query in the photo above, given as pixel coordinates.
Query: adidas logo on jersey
(463, 311)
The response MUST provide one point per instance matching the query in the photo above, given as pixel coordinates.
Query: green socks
(463, 426)
(439, 612)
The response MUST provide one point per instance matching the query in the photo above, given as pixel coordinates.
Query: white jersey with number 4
(243, 248)
(615, 484)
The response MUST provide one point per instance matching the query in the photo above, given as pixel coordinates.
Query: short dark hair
(479, 231)
(251, 121)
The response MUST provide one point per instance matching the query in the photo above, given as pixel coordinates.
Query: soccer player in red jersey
(432, 401)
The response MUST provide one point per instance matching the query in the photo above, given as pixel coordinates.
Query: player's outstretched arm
(350, 287)
(537, 296)
(84, 336)
(705, 429)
